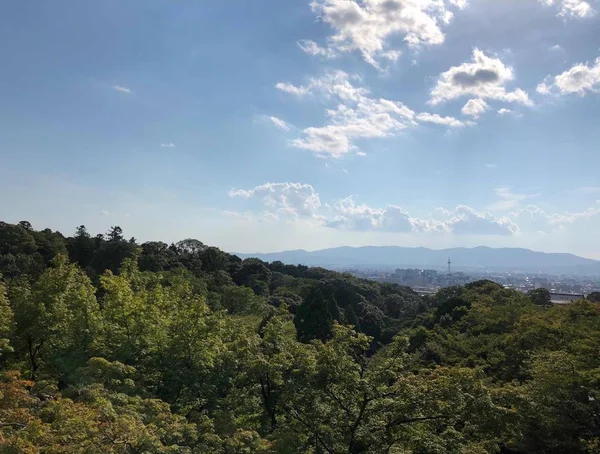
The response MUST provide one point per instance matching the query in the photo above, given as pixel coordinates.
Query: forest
(112, 346)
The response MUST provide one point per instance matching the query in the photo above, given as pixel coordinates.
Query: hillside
(110, 346)
(395, 256)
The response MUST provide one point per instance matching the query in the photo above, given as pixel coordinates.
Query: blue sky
(266, 125)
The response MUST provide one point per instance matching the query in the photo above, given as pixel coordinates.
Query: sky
(267, 125)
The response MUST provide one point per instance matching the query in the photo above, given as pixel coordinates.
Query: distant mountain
(462, 258)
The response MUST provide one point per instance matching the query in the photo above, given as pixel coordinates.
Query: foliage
(109, 346)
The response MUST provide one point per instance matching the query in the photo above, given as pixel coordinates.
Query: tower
(449, 269)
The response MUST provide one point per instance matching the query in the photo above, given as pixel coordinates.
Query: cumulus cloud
(537, 219)
(301, 201)
(580, 79)
(571, 8)
(484, 78)
(292, 199)
(167, 145)
(293, 202)
(348, 215)
(463, 220)
(121, 88)
(356, 116)
(281, 124)
(474, 108)
(365, 26)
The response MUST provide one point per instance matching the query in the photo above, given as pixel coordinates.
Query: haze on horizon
(268, 126)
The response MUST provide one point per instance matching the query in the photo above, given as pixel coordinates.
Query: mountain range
(462, 258)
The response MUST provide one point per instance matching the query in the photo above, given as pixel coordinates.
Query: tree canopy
(107, 345)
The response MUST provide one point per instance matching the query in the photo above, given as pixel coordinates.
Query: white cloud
(508, 200)
(294, 90)
(121, 89)
(465, 220)
(536, 219)
(504, 112)
(356, 116)
(298, 201)
(348, 215)
(581, 78)
(167, 145)
(312, 48)
(484, 78)
(279, 123)
(474, 107)
(291, 199)
(333, 83)
(571, 8)
(365, 26)
(491, 166)
(543, 88)
(437, 119)
(556, 48)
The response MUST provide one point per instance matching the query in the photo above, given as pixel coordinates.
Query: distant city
(566, 276)
(425, 281)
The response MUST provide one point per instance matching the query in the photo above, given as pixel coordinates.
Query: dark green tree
(313, 319)
(540, 297)
(594, 297)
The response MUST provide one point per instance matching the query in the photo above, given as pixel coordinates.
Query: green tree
(356, 403)
(594, 297)
(540, 297)
(81, 247)
(240, 300)
(56, 319)
(6, 323)
(313, 318)
(156, 256)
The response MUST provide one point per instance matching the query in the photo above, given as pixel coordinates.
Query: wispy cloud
(491, 166)
(167, 145)
(281, 124)
(508, 199)
(122, 89)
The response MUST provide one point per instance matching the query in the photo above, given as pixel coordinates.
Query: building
(564, 298)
